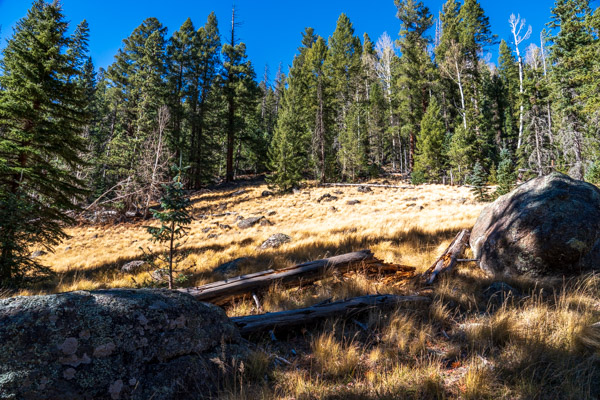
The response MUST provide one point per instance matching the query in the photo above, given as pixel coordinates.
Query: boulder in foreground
(113, 344)
(549, 225)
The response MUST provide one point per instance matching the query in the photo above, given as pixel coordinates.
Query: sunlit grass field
(539, 344)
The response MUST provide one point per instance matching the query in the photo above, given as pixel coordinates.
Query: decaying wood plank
(223, 292)
(449, 257)
(339, 309)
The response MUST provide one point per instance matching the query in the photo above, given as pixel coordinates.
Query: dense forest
(426, 104)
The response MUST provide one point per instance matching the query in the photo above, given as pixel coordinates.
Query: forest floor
(536, 342)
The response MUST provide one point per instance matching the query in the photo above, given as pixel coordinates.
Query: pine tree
(430, 143)
(415, 68)
(478, 179)
(506, 173)
(205, 103)
(571, 59)
(343, 68)
(240, 92)
(288, 150)
(174, 216)
(42, 115)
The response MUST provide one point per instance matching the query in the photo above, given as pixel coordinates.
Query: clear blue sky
(271, 28)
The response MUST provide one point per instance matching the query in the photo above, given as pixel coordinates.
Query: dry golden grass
(407, 226)
(541, 344)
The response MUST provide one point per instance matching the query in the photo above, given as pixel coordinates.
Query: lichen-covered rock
(249, 222)
(133, 267)
(113, 344)
(549, 225)
(275, 241)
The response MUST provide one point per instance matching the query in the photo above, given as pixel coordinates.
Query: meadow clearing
(538, 341)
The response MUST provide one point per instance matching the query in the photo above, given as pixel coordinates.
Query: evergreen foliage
(174, 216)
(42, 115)
(506, 175)
(478, 179)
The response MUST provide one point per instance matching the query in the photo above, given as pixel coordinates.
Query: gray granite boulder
(549, 225)
(113, 344)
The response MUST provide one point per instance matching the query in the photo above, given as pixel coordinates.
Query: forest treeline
(426, 103)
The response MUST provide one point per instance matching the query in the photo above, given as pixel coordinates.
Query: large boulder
(548, 225)
(113, 344)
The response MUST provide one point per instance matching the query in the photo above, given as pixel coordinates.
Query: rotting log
(375, 185)
(222, 292)
(309, 315)
(449, 257)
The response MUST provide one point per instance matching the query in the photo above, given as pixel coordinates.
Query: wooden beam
(222, 292)
(309, 315)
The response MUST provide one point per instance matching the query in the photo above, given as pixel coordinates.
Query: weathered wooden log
(449, 257)
(376, 185)
(309, 315)
(222, 292)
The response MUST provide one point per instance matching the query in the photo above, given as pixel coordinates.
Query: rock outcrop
(548, 225)
(113, 344)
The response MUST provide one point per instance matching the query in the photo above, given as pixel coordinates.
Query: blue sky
(270, 28)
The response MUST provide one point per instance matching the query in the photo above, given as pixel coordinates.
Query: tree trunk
(448, 258)
(309, 315)
(223, 292)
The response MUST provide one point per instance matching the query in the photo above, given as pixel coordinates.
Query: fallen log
(377, 185)
(222, 292)
(304, 316)
(449, 257)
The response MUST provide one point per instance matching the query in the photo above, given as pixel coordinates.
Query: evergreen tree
(174, 216)
(288, 150)
(414, 69)
(42, 115)
(571, 59)
(240, 92)
(343, 68)
(430, 157)
(506, 173)
(478, 180)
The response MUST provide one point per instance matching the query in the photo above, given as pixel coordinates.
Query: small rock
(231, 268)
(266, 222)
(133, 266)
(332, 209)
(249, 222)
(95, 236)
(160, 275)
(271, 213)
(364, 189)
(267, 193)
(411, 205)
(67, 248)
(206, 230)
(338, 192)
(38, 253)
(275, 241)
(224, 226)
(222, 206)
(352, 202)
(213, 236)
(237, 193)
(326, 197)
